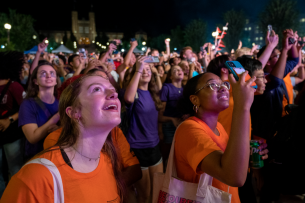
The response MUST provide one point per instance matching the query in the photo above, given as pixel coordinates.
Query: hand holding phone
(237, 69)
(152, 59)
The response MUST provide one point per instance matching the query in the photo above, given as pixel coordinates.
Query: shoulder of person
(15, 84)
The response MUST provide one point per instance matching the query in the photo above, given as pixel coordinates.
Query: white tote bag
(57, 181)
(167, 188)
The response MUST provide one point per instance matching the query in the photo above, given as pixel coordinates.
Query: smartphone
(291, 40)
(109, 60)
(152, 59)
(113, 42)
(270, 29)
(237, 69)
(83, 51)
(133, 39)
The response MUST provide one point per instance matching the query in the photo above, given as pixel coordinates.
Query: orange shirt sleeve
(193, 143)
(30, 186)
(128, 158)
(52, 139)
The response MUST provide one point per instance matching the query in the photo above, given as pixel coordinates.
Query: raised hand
(140, 64)
(272, 39)
(134, 44)
(42, 45)
(286, 35)
(243, 93)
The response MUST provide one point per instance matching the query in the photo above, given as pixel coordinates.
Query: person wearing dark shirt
(268, 108)
(38, 114)
(11, 96)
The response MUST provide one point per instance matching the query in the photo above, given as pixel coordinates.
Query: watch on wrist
(11, 119)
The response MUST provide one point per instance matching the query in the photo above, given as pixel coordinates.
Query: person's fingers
(242, 77)
(265, 157)
(263, 146)
(251, 81)
(232, 79)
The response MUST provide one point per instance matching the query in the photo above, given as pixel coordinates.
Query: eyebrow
(210, 80)
(100, 84)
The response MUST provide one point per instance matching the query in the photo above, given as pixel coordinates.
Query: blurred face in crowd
(260, 81)
(185, 67)
(273, 58)
(188, 54)
(208, 99)
(46, 76)
(76, 61)
(161, 71)
(155, 53)
(146, 74)
(176, 61)
(195, 56)
(176, 73)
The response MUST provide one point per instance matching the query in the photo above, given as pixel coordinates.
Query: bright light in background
(93, 41)
(143, 48)
(175, 49)
(62, 42)
(168, 39)
(2, 46)
(144, 43)
(97, 43)
(213, 47)
(7, 26)
(225, 28)
(253, 44)
(107, 43)
(51, 48)
(122, 50)
(34, 37)
(214, 34)
(46, 41)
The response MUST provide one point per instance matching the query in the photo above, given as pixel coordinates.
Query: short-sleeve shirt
(11, 100)
(194, 141)
(30, 112)
(171, 95)
(119, 140)
(34, 182)
(143, 117)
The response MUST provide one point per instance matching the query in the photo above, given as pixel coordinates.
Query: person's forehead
(207, 77)
(45, 68)
(87, 81)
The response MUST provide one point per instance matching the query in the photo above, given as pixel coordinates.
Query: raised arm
(108, 54)
(80, 67)
(167, 47)
(40, 48)
(132, 87)
(271, 42)
(157, 76)
(127, 58)
(231, 166)
(279, 68)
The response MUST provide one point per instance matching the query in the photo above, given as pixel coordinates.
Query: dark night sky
(154, 17)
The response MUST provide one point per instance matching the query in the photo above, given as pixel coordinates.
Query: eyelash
(96, 88)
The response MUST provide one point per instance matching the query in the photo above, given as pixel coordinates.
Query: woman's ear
(35, 81)
(195, 100)
(72, 114)
(224, 70)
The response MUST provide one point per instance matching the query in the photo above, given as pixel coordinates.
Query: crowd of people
(107, 121)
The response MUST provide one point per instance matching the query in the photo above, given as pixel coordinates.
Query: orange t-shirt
(34, 182)
(289, 88)
(119, 140)
(194, 141)
(225, 117)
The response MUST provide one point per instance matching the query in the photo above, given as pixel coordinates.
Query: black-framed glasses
(215, 86)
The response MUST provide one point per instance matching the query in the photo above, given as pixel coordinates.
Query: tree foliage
(177, 38)
(237, 22)
(281, 14)
(195, 34)
(21, 34)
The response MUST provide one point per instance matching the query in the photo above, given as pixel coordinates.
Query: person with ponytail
(84, 154)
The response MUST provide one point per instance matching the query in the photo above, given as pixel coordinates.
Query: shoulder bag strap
(5, 90)
(43, 107)
(57, 181)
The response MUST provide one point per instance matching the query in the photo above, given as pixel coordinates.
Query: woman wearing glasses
(202, 144)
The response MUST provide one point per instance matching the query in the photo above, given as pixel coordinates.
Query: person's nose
(112, 94)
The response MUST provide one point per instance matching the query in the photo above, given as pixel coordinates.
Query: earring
(195, 108)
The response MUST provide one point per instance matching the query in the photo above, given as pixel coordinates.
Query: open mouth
(224, 97)
(111, 107)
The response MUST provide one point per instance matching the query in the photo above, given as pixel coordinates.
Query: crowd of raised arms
(107, 122)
